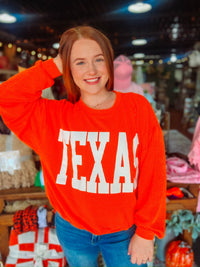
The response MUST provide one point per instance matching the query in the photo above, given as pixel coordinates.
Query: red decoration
(35, 248)
(179, 254)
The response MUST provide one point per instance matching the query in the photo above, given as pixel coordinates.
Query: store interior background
(169, 68)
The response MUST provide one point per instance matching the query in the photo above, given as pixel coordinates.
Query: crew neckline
(100, 111)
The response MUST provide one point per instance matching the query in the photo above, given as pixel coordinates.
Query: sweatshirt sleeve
(151, 191)
(20, 97)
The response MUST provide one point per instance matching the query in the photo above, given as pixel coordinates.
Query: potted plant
(184, 220)
(180, 221)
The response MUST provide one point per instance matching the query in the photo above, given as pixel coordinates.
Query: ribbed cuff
(146, 234)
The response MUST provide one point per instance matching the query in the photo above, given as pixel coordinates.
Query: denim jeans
(82, 248)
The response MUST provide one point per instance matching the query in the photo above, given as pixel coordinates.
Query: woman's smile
(92, 80)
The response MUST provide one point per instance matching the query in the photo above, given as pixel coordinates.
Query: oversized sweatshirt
(104, 170)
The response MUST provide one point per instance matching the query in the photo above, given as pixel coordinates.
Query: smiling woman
(99, 150)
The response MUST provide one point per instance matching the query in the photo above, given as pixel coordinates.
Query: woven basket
(24, 176)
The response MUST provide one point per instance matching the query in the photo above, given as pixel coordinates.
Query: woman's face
(88, 67)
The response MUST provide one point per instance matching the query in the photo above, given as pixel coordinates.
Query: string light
(39, 55)
(44, 57)
(47, 53)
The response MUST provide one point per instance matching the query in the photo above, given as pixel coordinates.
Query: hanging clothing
(194, 154)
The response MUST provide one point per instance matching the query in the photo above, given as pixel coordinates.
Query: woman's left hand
(141, 250)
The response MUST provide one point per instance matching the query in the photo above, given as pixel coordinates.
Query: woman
(102, 152)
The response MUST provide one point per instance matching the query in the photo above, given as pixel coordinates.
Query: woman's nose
(91, 68)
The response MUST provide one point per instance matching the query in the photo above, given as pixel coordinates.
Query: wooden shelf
(6, 220)
(23, 193)
(184, 203)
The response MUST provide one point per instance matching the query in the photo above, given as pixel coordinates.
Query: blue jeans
(82, 248)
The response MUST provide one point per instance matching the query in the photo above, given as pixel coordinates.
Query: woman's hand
(58, 61)
(141, 250)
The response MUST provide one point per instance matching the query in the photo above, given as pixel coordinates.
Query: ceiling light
(6, 18)
(139, 8)
(173, 58)
(139, 55)
(139, 42)
(139, 62)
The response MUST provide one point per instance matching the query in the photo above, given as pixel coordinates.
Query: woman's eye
(100, 59)
(80, 63)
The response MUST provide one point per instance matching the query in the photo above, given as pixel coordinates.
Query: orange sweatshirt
(104, 170)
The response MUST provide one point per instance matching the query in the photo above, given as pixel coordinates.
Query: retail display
(39, 248)
(17, 167)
